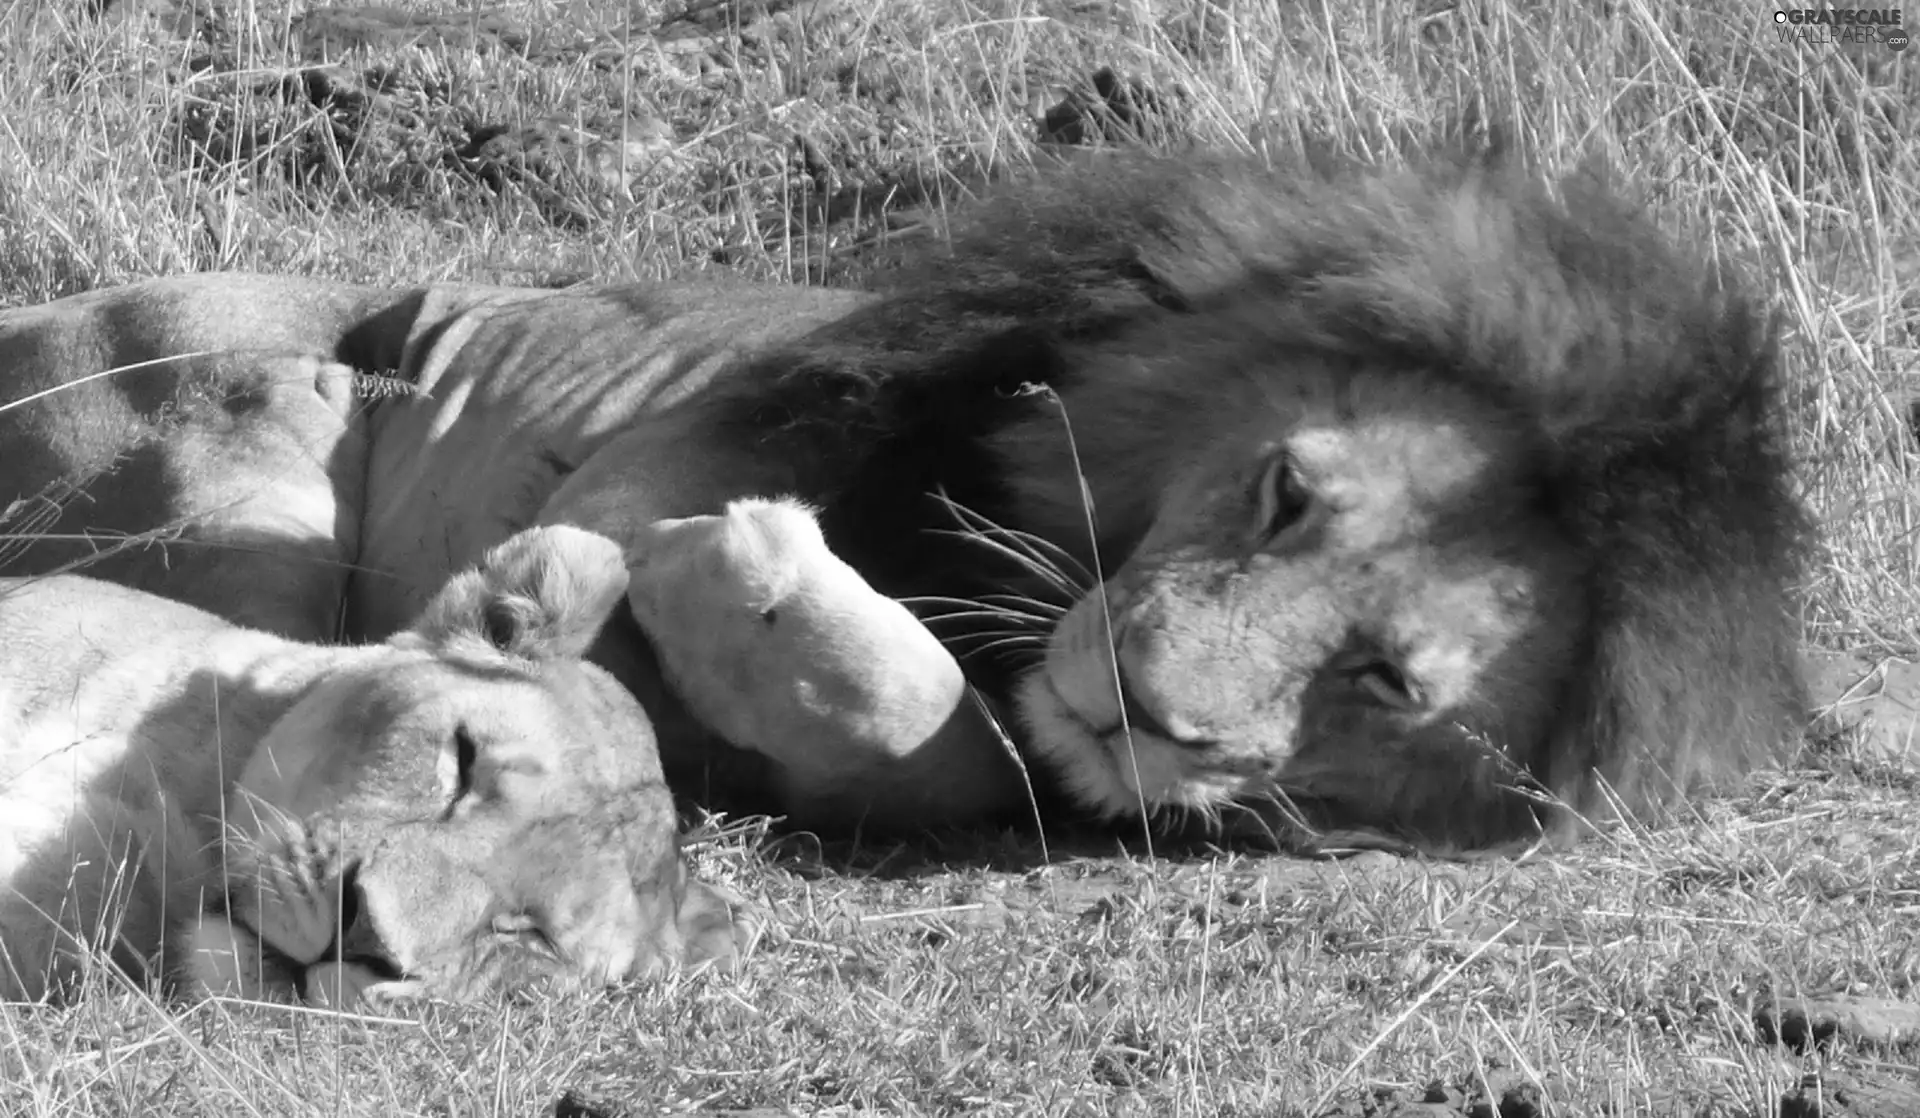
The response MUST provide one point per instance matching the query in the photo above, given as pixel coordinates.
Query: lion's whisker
(1035, 550)
(1037, 547)
(1030, 636)
(1281, 801)
(1008, 616)
(1006, 607)
(1011, 607)
(1052, 577)
(1025, 604)
(1014, 644)
(976, 643)
(936, 600)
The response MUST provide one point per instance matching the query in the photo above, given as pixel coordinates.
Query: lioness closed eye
(465, 808)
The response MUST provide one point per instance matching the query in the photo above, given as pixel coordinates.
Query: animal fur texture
(1406, 502)
(1639, 384)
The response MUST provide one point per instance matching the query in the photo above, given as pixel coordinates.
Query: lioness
(1423, 503)
(462, 809)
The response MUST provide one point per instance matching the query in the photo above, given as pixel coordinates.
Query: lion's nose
(356, 939)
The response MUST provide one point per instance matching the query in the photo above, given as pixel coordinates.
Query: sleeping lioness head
(464, 809)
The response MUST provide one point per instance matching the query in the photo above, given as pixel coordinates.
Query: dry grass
(1621, 979)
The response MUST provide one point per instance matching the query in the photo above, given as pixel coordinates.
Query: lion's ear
(541, 595)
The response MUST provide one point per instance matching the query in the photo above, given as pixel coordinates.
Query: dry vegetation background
(552, 141)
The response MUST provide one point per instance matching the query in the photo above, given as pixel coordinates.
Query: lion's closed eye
(1281, 499)
(457, 768)
(1387, 684)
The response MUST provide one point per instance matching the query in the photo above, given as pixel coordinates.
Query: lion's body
(325, 426)
(1406, 487)
(490, 441)
(178, 793)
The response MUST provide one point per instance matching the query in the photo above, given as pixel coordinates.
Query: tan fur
(1412, 556)
(209, 804)
(1528, 447)
(780, 647)
(1539, 470)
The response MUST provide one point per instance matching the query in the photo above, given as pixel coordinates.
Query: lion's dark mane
(1650, 379)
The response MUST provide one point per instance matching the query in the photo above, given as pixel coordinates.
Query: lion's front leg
(781, 648)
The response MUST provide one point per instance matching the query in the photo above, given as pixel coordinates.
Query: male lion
(1413, 502)
(463, 809)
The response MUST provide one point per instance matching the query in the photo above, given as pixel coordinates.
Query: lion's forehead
(501, 692)
(1392, 455)
(1419, 541)
(1404, 467)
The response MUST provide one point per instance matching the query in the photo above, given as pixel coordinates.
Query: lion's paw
(293, 898)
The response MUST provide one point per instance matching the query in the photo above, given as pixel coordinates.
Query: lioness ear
(541, 595)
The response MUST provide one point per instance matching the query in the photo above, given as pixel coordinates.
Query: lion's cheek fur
(1195, 676)
(1116, 774)
(1176, 718)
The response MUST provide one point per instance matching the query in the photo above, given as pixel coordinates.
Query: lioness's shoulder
(75, 605)
(99, 657)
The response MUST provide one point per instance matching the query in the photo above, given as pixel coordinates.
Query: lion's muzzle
(357, 941)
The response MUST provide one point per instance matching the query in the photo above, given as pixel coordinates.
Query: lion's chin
(1118, 772)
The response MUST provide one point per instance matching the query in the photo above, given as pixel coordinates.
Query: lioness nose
(356, 939)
